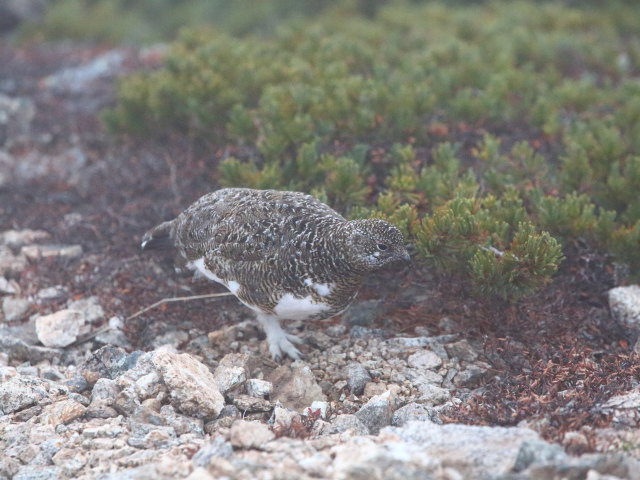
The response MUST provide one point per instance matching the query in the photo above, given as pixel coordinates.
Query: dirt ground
(554, 356)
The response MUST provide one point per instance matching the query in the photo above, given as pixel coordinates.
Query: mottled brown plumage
(285, 255)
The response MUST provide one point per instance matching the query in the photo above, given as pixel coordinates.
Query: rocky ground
(415, 381)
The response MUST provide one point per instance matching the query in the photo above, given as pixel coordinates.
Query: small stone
(471, 376)
(283, 417)
(11, 264)
(259, 388)
(77, 384)
(18, 238)
(60, 329)
(21, 392)
(8, 287)
(347, 422)
(57, 292)
(62, 412)
(14, 309)
(245, 403)
(109, 362)
(89, 307)
(181, 423)
(244, 434)
(372, 389)
(357, 377)
(321, 407)
(424, 359)
(624, 409)
(103, 398)
(144, 435)
(37, 472)
(35, 252)
(410, 412)
(462, 350)
(192, 387)
(295, 387)
(534, 452)
(69, 460)
(624, 303)
(231, 372)
(377, 412)
(217, 448)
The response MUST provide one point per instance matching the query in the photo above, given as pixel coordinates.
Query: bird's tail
(159, 237)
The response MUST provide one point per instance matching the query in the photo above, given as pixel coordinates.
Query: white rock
(14, 308)
(34, 252)
(295, 387)
(259, 388)
(192, 387)
(231, 372)
(319, 406)
(424, 359)
(244, 434)
(624, 303)
(21, 392)
(377, 412)
(90, 307)
(59, 329)
(8, 287)
(52, 293)
(18, 238)
(475, 451)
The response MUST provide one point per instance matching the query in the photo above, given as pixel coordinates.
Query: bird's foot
(280, 342)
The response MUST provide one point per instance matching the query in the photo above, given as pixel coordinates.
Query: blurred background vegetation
(498, 135)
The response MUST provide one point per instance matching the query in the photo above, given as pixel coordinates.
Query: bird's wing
(245, 227)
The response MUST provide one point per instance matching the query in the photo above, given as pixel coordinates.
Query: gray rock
(295, 387)
(76, 384)
(363, 313)
(363, 458)
(192, 387)
(8, 287)
(217, 448)
(70, 461)
(35, 252)
(412, 412)
(77, 79)
(359, 331)
(144, 435)
(173, 338)
(15, 308)
(624, 408)
(534, 452)
(283, 418)
(462, 350)
(57, 292)
(624, 303)
(11, 264)
(346, 422)
(181, 423)
(424, 359)
(89, 307)
(109, 362)
(37, 472)
(377, 412)
(17, 238)
(259, 388)
(9, 466)
(357, 377)
(21, 392)
(62, 412)
(103, 398)
(19, 350)
(231, 372)
(244, 434)
(473, 375)
(59, 329)
(475, 451)
(114, 335)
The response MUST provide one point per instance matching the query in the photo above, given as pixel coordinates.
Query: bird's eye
(382, 246)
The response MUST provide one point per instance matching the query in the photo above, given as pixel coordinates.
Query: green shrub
(482, 131)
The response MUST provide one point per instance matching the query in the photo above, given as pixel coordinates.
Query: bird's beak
(405, 257)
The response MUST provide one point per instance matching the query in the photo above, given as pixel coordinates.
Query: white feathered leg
(279, 341)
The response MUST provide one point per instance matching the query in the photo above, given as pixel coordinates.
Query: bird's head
(373, 243)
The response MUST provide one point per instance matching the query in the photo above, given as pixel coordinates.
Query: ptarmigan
(285, 255)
